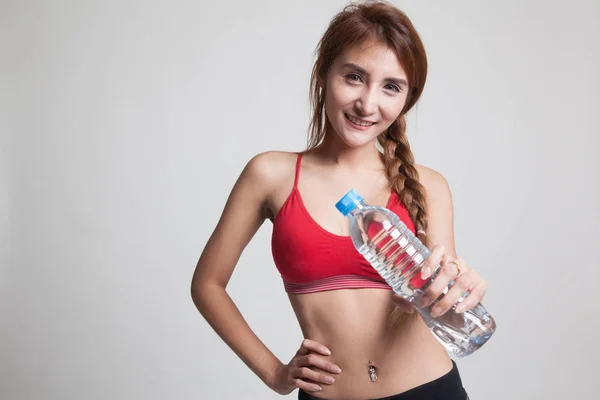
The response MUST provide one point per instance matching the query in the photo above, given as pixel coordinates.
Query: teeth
(358, 121)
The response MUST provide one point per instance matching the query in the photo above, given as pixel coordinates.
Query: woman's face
(366, 91)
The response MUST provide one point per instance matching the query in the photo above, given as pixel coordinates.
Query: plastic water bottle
(397, 255)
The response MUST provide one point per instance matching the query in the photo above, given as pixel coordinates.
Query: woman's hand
(467, 282)
(307, 370)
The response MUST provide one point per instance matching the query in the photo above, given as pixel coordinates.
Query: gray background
(125, 124)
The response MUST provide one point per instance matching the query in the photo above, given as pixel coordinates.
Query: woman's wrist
(270, 378)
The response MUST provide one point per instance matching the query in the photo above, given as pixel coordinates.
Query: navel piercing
(372, 372)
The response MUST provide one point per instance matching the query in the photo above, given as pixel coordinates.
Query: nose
(366, 104)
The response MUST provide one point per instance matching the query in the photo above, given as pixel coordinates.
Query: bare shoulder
(272, 173)
(434, 182)
(271, 169)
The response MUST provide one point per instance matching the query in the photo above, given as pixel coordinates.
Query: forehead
(374, 57)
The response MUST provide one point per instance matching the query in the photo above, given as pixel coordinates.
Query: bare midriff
(355, 325)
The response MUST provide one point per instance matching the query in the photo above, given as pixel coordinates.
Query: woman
(361, 340)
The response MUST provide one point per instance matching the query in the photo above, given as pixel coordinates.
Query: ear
(320, 86)
(321, 82)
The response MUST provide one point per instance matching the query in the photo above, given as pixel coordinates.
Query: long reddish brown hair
(355, 24)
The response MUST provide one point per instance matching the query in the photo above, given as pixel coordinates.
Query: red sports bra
(312, 259)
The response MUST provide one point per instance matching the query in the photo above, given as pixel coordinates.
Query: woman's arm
(440, 232)
(244, 213)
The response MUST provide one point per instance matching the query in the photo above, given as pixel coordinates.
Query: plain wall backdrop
(125, 124)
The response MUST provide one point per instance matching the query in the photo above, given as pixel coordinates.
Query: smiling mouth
(358, 121)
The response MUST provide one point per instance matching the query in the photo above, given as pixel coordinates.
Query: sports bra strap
(297, 170)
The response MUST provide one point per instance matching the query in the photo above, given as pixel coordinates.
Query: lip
(359, 127)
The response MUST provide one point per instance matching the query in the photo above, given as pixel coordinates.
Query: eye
(392, 87)
(353, 78)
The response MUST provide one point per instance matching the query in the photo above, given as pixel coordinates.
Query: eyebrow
(398, 81)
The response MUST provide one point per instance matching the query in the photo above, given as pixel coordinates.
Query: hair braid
(404, 177)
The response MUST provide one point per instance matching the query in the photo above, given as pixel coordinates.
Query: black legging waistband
(446, 387)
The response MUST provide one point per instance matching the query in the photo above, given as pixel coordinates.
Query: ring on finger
(458, 267)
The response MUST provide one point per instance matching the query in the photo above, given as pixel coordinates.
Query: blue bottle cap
(348, 202)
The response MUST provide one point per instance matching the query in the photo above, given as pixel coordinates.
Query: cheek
(391, 109)
(339, 95)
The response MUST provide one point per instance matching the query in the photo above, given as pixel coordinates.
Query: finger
(310, 345)
(474, 298)
(305, 373)
(313, 360)
(463, 283)
(444, 276)
(431, 263)
(307, 386)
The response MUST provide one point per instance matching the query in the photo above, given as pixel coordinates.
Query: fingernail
(328, 352)
(337, 370)
(330, 379)
(460, 308)
(435, 311)
(425, 272)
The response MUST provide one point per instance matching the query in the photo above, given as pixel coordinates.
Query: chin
(357, 138)
(356, 141)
